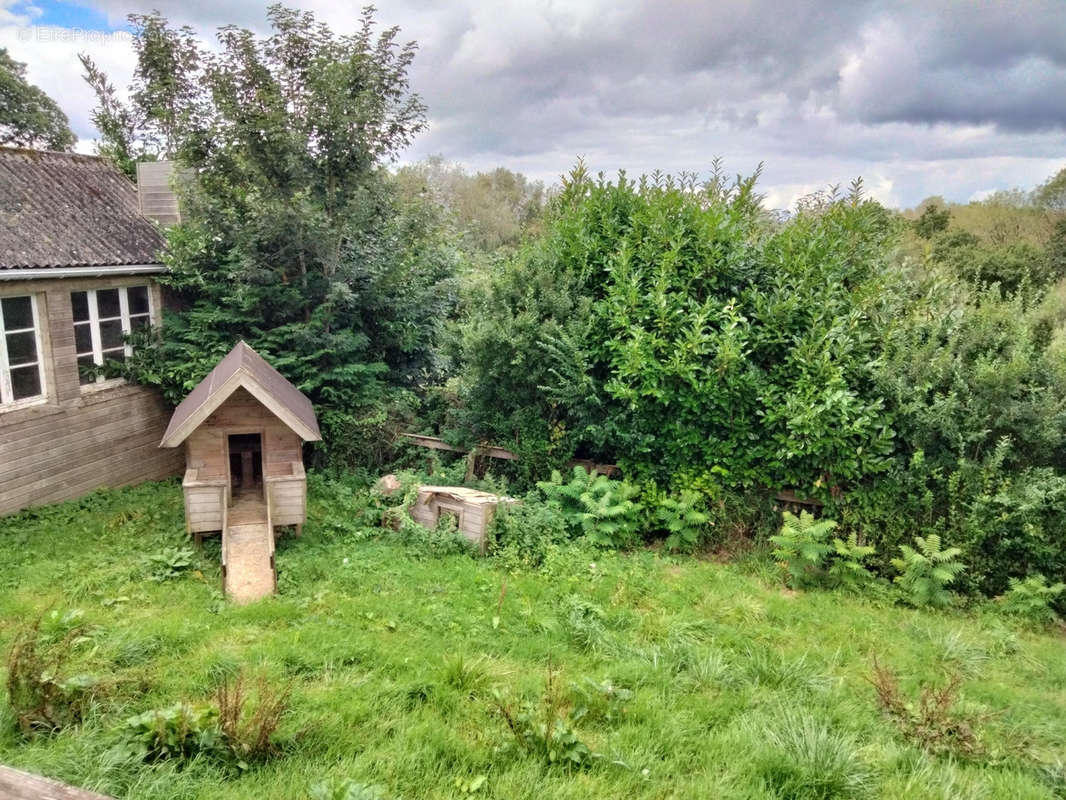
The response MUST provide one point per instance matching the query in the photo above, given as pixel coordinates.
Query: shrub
(1031, 599)
(926, 572)
(807, 760)
(801, 547)
(42, 692)
(545, 728)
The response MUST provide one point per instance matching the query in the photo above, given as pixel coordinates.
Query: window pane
(137, 299)
(83, 338)
(86, 363)
(79, 302)
(114, 355)
(136, 323)
(25, 382)
(107, 303)
(18, 313)
(21, 348)
(110, 334)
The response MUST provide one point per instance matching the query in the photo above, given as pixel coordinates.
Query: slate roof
(70, 210)
(243, 367)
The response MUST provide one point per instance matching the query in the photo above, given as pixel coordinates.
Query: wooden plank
(436, 443)
(18, 785)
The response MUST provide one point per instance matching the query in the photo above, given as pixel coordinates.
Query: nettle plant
(926, 572)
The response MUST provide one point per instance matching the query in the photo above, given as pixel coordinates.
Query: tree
(28, 116)
(933, 220)
(166, 94)
(291, 237)
(1051, 194)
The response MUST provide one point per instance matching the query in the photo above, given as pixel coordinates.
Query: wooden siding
(18, 785)
(78, 438)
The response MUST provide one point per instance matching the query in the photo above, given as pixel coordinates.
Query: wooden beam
(435, 443)
(18, 785)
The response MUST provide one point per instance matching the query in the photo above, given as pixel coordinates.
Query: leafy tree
(166, 94)
(933, 220)
(1052, 193)
(291, 236)
(28, 116)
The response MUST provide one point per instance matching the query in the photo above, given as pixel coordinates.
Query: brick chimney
(157, 198)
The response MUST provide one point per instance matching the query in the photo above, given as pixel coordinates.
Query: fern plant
(926, 572)
(683, 519)
(846, 568)
(602, 509)
(1031, 599)
(802, 547)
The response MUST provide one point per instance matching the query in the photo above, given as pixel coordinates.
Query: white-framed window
(21, 374)
(103, 318)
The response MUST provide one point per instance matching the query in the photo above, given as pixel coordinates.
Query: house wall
(78, 438)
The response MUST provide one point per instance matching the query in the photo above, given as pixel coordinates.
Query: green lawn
(699, 679)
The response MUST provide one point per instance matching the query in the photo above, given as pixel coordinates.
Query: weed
(545, 729)
(344, 789)
(684, 518)
(933, 722)
(41, 692)
(180, 732)
(169, 563)
(248, 727)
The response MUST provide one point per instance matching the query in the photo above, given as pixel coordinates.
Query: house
(243, 428)
(78, 268)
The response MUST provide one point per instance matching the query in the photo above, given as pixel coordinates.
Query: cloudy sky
(950, 97)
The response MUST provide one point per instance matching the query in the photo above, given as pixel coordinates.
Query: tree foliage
(291, 235)
(28, 116)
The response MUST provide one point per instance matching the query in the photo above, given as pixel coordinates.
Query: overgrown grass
(683, 678)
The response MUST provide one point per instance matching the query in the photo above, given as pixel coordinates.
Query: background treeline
(907, 369)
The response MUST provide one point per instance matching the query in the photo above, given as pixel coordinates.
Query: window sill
(18, 405)
(102, 386)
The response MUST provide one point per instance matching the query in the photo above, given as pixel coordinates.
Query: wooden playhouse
(472, 510)
(243, 428)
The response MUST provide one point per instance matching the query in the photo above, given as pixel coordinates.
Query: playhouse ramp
(249, 562)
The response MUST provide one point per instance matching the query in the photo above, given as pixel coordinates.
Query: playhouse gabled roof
(243, 368)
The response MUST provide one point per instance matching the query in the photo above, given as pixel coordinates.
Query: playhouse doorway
(245, 463)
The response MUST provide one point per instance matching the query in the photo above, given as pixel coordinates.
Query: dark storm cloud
(819, 89)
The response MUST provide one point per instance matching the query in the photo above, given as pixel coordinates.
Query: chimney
(154, 191)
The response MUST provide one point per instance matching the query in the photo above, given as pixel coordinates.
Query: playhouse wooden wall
(206, 451)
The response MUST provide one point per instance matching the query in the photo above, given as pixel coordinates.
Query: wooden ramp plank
(18, 785)
(249, 571)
